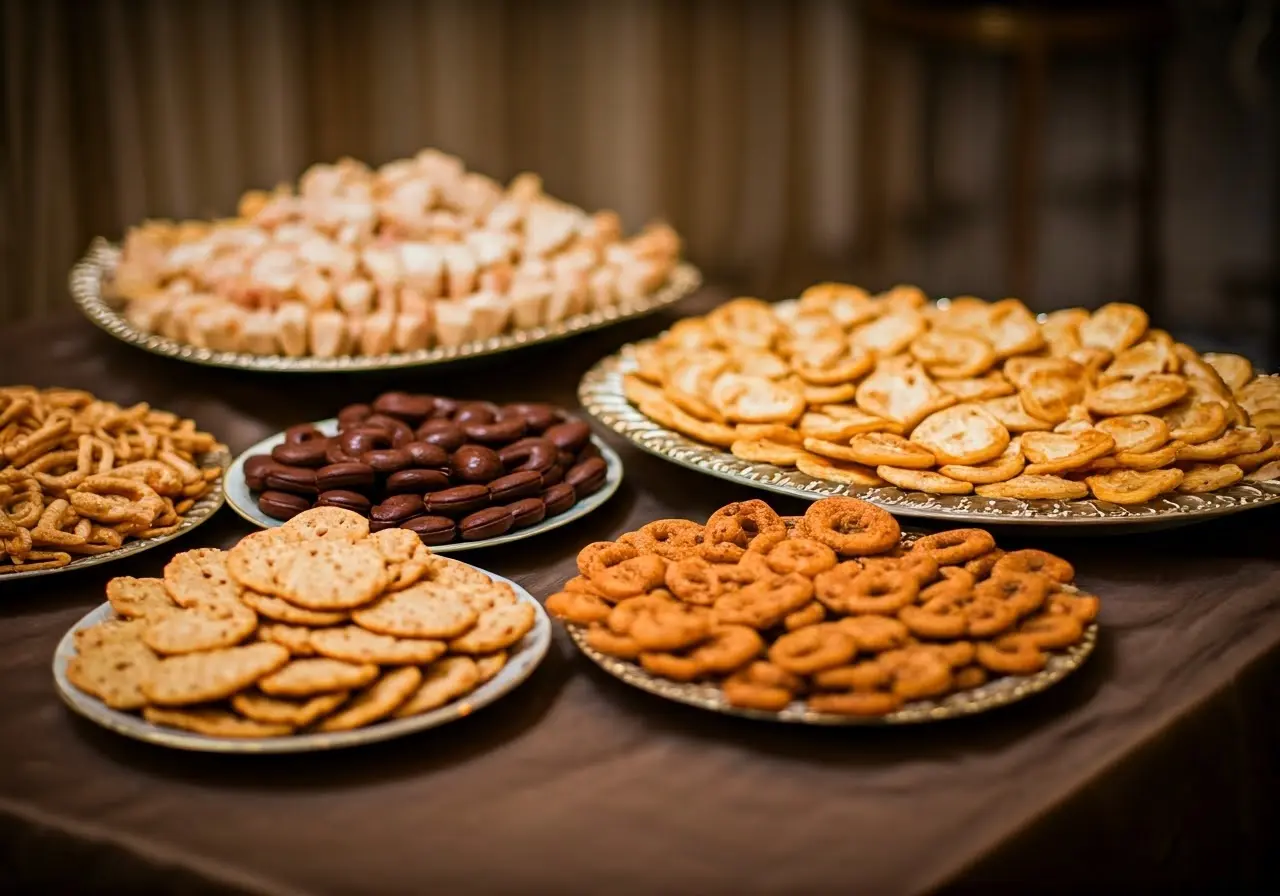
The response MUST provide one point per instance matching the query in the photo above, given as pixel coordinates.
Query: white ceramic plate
(241, 500)
(522, 660)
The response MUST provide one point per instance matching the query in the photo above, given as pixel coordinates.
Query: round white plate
(522, 660)
(241, 500)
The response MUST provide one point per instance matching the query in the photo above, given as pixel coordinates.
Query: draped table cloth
(1153, 768)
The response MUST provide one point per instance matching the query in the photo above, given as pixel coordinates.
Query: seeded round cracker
(357, 645)
(376, 702)
(444, 680)
(330, 574)
(489, 665)
(213, 675)
(213, 722)
(200, 577)
(446, 569)
(113, 671)
(200, 628)
(111, 631)
(258, 707)
(328, 522)
(294, 638)
(316, 675)
(425, 610)
(138, 598)
(406, 557)
(255, 562)
(496, 629)
(490, 594)
(281, 610)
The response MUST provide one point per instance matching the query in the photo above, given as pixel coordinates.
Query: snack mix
(836, 608)
(962, 397)
(81, 476)
(441, 468)
(362, 261)
(316, 626)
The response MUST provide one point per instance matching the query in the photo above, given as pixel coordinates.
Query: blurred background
(1064, 152)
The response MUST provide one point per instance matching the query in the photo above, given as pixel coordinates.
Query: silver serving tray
(600, 392)
(89, 275)
(995, 693)
(201, 511)
(240, 497)
(521, 662)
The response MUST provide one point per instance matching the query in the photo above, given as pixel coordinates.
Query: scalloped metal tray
(600, 392)
(95, 268)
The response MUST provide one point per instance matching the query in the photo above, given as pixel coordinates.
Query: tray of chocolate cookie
(416, 262)
(835, 618)
(458, 474)
(959, 409)
(84, 481)
(315, 635)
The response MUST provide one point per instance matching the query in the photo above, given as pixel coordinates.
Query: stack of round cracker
(315, 626)
(838, 608)
(963, 397)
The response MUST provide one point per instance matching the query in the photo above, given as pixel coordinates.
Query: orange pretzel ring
(850, 527)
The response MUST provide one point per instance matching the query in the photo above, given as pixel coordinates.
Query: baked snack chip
(963, 396)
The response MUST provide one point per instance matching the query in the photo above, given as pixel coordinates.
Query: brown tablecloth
(1155, 767)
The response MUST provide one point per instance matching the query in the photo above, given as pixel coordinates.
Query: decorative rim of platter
(240, 496)
(601, 395)
(995, 693)
(90, 273)
(204, 508)
(522, 662)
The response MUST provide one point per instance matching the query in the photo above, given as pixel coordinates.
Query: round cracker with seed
(139, 598)
(200, 577)
(281, 610)
(406, 557)
(428, 609)
(330, 574)
(497, 629)
(328, 522)
(357, 645)
(259, 707)
(376, 702)
(200, 628)
(444, 680)
(213, 722)
(490, 665)
(923, 481)
(294, 638)
(113, 671)
(212, 675)
(316, 675)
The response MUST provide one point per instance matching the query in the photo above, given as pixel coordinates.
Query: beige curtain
(735, 119)
(123, 109)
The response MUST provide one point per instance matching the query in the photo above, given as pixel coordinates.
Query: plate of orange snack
(958, 409)
(418, 261)
(835, 618)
